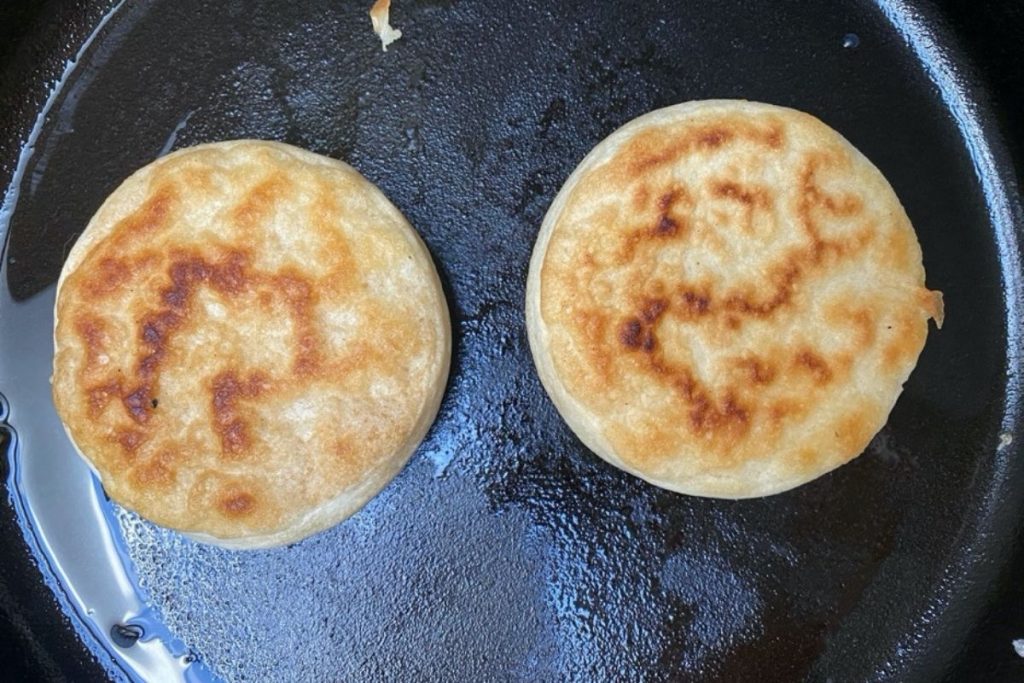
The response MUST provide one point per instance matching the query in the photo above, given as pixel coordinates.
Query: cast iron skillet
(505, 550)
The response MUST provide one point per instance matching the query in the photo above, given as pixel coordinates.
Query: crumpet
(250, 342)
(726, 299)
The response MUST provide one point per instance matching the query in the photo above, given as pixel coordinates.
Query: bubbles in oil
(65, 515)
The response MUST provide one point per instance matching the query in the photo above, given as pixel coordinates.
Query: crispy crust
(726, 298)
(250, 341)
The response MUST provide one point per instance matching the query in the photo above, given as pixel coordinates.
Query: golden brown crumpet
(250, 342)
(726, 298)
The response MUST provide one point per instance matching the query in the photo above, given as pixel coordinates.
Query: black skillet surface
(505, 550)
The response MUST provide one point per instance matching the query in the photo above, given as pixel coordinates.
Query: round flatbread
(726, 298)
(250, 341)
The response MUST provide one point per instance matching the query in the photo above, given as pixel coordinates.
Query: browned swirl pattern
(726, 299)
(248, 334)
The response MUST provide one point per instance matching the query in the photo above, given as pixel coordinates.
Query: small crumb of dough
(1005, 439)
(381, 26)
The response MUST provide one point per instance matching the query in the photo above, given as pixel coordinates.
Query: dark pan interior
(505, 549)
